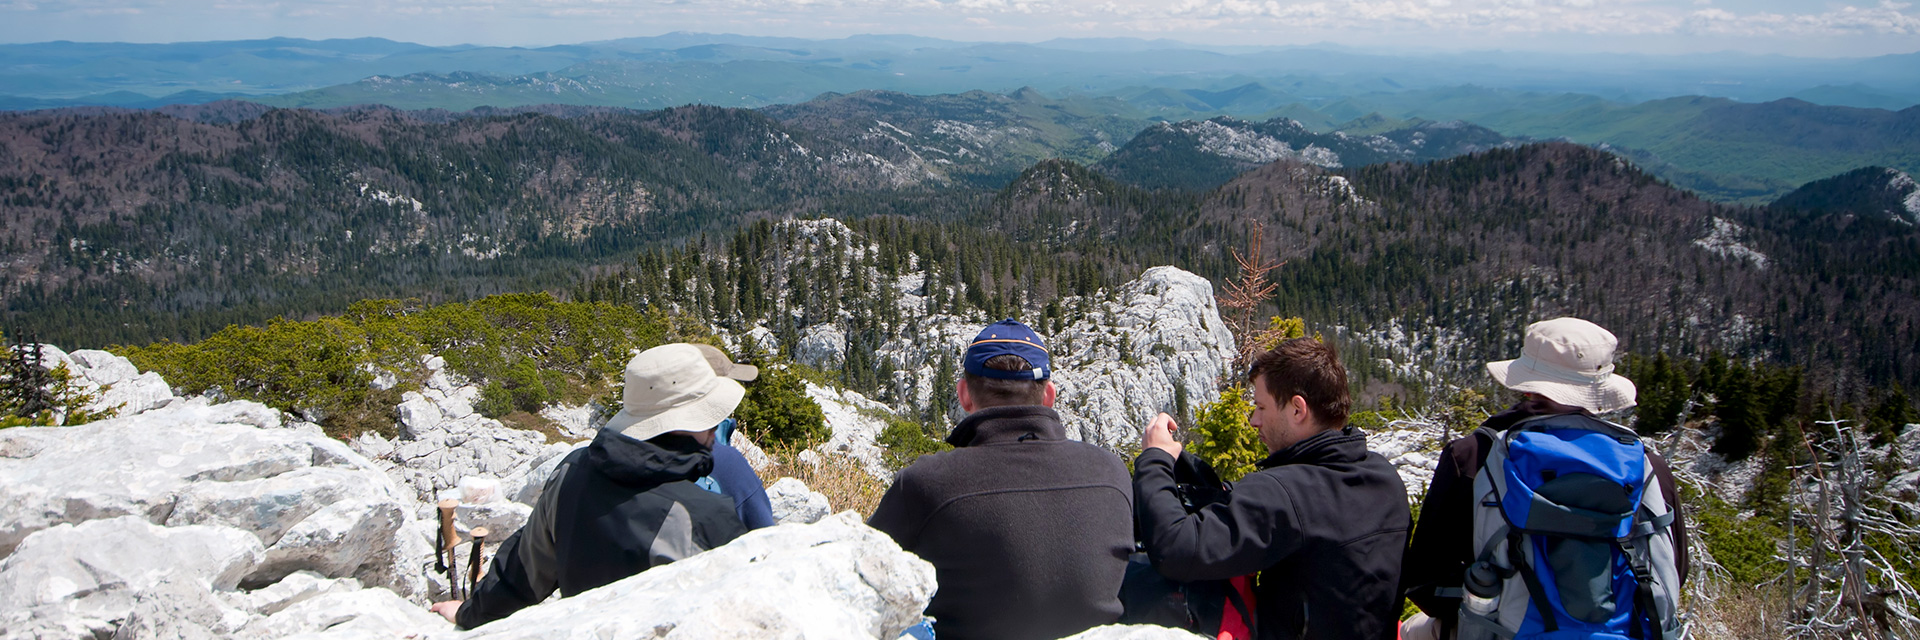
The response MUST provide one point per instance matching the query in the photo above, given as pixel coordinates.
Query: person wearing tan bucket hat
(626, 502)
(1565, 368)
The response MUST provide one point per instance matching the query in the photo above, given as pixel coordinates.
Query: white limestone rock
(311, 501)
(337, 521)
(526, 488)
(1119, 366)
(822, 346)
(1134, 632)
(835, 579)
(1413, 448)
(291, 590)
(576, 422)
(501, 518)
(121, 385)
(856, 423)
(92, 576)
(431, 456)
(756, 457)
(365, 613)
(795, 503)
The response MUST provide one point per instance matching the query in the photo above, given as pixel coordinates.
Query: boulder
(1134, 632)
(78, 580)
(364, 613)
(309, 500)
(294, 589)
(834, 579)
(794, 503)
(121, 385)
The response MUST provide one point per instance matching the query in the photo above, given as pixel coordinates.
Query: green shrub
(905, 441)
(777, 412)
(1745, 547)
(495, 400)
(1222, 436)
(524, 350)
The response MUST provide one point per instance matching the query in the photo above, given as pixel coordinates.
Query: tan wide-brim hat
(1570, 361)
(674, 387)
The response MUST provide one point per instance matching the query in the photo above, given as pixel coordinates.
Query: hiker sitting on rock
(1548, 520)
(627, 502)
(1323, 521)
(1028, 532)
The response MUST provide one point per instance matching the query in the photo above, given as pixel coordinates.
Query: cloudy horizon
(1784, 27)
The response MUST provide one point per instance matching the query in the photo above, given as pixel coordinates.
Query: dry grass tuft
(1742, 613)
(845, 483)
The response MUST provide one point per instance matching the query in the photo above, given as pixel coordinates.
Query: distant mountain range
(110, 74)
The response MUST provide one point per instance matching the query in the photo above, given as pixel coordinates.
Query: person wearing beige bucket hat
(627, 501)
(1565, 367)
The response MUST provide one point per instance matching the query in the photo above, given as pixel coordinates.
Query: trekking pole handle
(451, 538)
(473, 561)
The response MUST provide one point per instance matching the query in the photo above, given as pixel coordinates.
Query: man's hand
(1159, 435)
(449, 609)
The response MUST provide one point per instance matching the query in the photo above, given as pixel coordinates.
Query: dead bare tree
(1852, 588)
(1245, 293)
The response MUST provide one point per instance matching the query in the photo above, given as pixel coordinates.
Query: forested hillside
(135, 226)
(1446, 261)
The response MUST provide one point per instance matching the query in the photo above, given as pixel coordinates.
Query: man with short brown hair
(1027, 531)
(1323, 521)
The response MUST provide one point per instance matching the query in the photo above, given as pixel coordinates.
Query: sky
(1816, 28)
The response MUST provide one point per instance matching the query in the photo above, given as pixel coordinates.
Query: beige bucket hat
(1570, 361)
(678, 387)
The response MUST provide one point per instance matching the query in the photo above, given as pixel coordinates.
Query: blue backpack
(1573, 537)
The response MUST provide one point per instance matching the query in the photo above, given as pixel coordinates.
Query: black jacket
(1439, 555)
(1027, 531)
(1323, 522)
(612, 509)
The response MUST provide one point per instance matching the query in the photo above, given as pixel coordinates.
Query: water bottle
(1483, 590)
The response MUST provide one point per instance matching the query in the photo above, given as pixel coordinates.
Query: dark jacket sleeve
(525, 569)
(901, 512)
(739, 482)
(1439, 551)
(1251, 530)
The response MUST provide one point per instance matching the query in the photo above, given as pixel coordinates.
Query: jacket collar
(1346, 444)
(648, 463)
(999, 425)
(1529, 408)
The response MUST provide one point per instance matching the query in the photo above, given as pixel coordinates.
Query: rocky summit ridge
(193, 517)
(202, 519)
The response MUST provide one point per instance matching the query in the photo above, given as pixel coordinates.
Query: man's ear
(1046, 398)
(966, 399)
(1297, 406)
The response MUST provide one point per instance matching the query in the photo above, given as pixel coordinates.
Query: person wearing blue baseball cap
(1027, 530)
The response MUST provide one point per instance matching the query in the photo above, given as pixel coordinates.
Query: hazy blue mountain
(67, 70)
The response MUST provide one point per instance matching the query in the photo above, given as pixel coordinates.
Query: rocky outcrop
(443, 440)
(856, 423)
(94, 578)
(117, 386)
(309, 500)
(1120, 357)
(831, 580)
(1123, 362)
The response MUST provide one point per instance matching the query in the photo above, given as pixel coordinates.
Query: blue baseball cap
(1008, 337)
